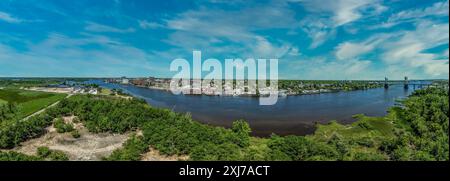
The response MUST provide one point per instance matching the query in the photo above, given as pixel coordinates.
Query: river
(290, 115)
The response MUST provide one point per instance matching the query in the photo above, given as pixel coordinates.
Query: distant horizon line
(80, 77)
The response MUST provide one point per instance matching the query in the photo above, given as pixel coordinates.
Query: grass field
(30, 82)
(28, 101)
(372, 130)
(364, 127)
(105, 91)
(3, 101)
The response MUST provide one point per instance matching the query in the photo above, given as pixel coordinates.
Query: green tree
(242, 130)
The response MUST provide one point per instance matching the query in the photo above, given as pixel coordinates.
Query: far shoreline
(245, 95)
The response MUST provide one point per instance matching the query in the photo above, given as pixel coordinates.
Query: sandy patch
(154, 155)
(51, 89)
(89, 146)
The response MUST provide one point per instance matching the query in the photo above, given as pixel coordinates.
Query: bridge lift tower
(406, 83)
(386, 85)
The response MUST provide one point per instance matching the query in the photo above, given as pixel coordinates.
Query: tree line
(417, 129)
(420, 132)
(15, 131)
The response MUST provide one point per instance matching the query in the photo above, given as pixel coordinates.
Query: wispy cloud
(409, 50)
(324, 68)
(412, 15)
(328, 15)
(315, 39)
(350, 50)
(342, 12)
(95, 27)
(144, 24)
(198, 29)
(406, 51)
(9, 18)
(64, 56)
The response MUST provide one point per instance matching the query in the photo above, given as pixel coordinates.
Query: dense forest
(416, 129)
(14, 131)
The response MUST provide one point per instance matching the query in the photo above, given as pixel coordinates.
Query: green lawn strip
(28, 108)
(365, 131)
(29, 101)
(105, 91)
(365, 125)
(3, 101)
(19, 96)
(325, 131)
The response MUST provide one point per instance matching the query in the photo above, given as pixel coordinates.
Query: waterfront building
(124, 80)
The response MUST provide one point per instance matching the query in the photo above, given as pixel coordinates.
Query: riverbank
(177, 136)
(290, 115)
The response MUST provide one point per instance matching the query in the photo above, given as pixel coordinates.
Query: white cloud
(64, 56)
(437, 9)
(95, 27)
(9, 18)
(294, 51)
(349, 50)
(445, 54)
(409, 50)
(264, 49)
(318, 30)
(343, 11)
(203, 24)
(404, 52)
(329, 15)
(329, 69)
(144, 24)
(232, 24)
(348, 11)
(414, 15)
(357, 67)
(199, 29)
(437, 68)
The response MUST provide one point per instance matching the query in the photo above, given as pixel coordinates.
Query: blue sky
(313, 39)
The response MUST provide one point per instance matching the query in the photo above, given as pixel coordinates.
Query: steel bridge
(406, 83)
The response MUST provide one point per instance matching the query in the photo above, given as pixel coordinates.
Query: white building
(93, 91)
(125, 80)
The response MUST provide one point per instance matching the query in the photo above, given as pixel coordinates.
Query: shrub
(76, 120)
(57, 156)
(43, 151)
(62, 127)
(75, 134)
(14, 132)
(15, 156)
(132, 150)
(242, 130)
(53, 155)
